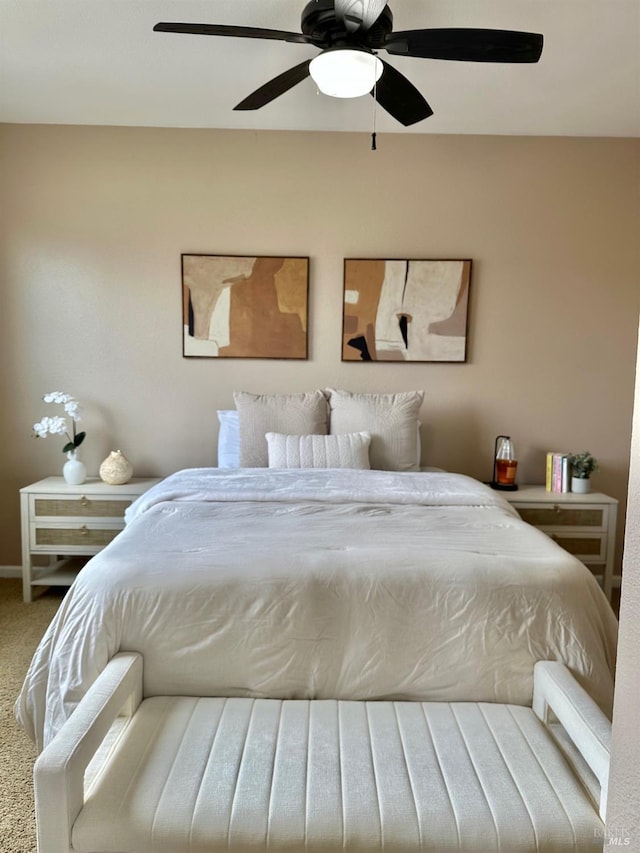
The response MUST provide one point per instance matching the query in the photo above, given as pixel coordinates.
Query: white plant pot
(580, 485)
(74, 471)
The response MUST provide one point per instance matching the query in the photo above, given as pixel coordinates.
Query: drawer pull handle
(556, 509)
(84, 501)
(84, 530)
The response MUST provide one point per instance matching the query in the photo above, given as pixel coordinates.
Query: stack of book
(558, 472)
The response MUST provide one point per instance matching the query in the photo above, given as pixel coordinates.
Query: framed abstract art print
(405, 310)
(244, 307)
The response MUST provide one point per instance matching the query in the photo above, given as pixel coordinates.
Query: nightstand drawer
(80, 506)
(45, 537)
(586, 548)
(564, 516)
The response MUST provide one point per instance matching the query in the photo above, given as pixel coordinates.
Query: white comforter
(343, 584)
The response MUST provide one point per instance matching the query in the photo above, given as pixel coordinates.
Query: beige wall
(94, 221)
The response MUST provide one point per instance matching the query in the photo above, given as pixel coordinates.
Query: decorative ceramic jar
(580, 485)
(116, 469)
(73, 470)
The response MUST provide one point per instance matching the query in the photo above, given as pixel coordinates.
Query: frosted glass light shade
(345, 73)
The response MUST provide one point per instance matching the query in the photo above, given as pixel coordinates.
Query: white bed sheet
(339, 584)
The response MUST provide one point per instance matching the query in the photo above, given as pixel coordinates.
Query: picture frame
(405, 310)
(244, 306)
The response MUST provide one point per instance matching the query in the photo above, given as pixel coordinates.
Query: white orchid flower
(50, 426)
(57, 397)
(58, 425)
(72, 408)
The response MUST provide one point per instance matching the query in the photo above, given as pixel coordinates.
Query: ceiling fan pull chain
(374, 147)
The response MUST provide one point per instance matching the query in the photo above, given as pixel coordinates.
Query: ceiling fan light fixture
(345, 73)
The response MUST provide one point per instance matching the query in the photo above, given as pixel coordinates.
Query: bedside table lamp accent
(504, 465)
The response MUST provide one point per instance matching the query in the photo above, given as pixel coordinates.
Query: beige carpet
(21, 627)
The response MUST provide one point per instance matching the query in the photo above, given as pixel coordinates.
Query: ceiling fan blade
(467, 45)
(400, 98)
(276, 87)
(359, 13)
(234, 32)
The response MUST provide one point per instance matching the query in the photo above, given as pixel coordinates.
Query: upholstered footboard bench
(188, 775)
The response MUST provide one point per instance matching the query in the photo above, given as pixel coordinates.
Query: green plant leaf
(68, 446)
(77, 441)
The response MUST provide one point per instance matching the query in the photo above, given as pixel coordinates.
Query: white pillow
(350, 450)
(292, 414)
(392, 420)
(228, 439)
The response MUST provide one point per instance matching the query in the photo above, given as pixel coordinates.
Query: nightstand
(62, 522)
(584, 525)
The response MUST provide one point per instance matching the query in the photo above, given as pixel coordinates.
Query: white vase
(116, 469)
(73, 470)
(580, 485)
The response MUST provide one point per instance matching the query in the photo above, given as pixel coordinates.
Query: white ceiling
(99, 62)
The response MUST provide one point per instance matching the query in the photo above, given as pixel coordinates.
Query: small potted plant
(582, 467)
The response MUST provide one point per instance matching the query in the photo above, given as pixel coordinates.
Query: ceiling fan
(350, 33)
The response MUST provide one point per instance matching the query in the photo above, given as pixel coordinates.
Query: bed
(324, 583)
